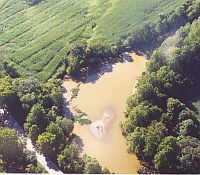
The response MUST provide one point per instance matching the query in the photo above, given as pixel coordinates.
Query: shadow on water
(93, 73)
(92, 78)
(64, 90)
(79, 142)
(67, 113)
(126, 58)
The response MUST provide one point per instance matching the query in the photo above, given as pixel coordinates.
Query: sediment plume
(98, 128)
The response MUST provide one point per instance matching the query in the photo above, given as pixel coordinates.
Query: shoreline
(108, 87)
(134, 87)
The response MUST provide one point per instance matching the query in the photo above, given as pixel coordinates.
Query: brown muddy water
(104, 93)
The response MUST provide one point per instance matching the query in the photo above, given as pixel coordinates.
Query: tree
(2, 120)
(143, 114)
(126, 127)
(9, 68)
(51, 94)
(34, 131)
(30, 168)
(56, 97)
(155, 133)
(29, 85)
(2, 168)
(30, 157)
(48, 144)
(166, 159)
(106, 171)
(136, 140)
(28, 100)
(183, 115)
(53, 113)
(37, 116)
(11, 148)
(52, 141)
(76, 57)
(69, 159)
(66, 125)
(174, 108)
(91, 165)
(188, 128)
(7, 93)
(57, 130)
(28, 91)
(190, 154)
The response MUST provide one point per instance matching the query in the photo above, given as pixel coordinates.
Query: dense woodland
(38, 108)
(161, 127)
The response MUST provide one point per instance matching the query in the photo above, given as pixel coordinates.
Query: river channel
(104, 91)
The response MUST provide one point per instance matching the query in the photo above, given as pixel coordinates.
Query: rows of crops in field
(36, 38)
(125, 17)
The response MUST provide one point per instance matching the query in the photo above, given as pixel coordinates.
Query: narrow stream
(103, 92)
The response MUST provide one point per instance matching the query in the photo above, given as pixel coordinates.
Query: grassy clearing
(36, 38)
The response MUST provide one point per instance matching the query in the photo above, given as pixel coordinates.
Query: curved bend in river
(103, 98)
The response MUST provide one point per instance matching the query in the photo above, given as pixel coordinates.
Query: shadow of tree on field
(33, 2)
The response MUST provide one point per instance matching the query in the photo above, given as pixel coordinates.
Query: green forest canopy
(159, 126)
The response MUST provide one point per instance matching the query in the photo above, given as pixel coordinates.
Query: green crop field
(36, 38)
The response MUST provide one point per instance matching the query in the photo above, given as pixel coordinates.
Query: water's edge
(103, 91)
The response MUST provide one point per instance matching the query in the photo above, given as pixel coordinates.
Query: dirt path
(50, 167)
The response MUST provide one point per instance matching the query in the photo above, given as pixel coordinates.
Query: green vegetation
(39, 169)
(38, 107)
(37, 38)
(166, 23)
(81, 120)
(14, 157)
(159, 126)
(75, 91)
(43, 39)
(124, 18)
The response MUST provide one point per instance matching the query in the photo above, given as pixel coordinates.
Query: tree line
(159, 126)
(37, 107)
(89, 55)
(92, 53)
(172, 21)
